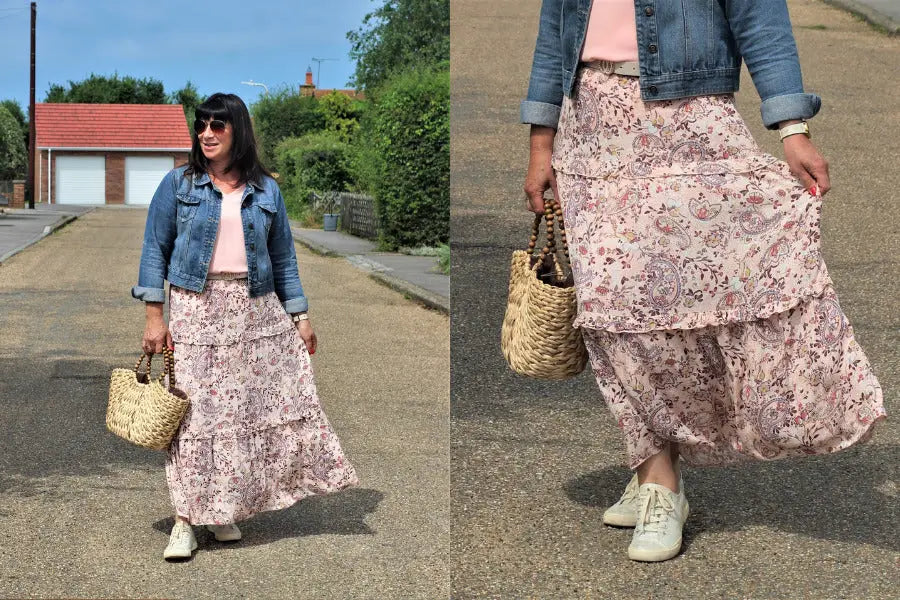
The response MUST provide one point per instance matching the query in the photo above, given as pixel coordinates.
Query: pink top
(611, 31)
(229, 254)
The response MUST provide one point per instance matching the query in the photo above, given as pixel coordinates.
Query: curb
(411, 290)
(313, 247)
(414, 292)
(60, 223)
(868, 14)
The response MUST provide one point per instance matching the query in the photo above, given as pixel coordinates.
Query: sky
(216, 45)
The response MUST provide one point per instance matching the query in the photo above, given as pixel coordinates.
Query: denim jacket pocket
(186, 206)
(267, 212)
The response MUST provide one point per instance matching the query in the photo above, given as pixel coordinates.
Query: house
(107, 153)
(309, 89)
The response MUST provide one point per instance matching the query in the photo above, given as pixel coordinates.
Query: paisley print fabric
(675, 217)
(255, 437)
(794, 383)
(706, 307)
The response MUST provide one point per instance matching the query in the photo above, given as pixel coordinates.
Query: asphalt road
(534, 464)
(84, 514)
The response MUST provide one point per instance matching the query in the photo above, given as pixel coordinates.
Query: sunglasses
(216, 125)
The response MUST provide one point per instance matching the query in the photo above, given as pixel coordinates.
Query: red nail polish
(812, 190)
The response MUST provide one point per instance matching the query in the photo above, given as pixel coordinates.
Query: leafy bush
(316, 162)
(444, 258)
(12, 147)
(340, 115)
(280, 115)
(405, 158)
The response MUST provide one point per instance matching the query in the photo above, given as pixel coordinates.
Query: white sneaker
(624, 513)
(225, 533)
(181, 541)
(660, 518)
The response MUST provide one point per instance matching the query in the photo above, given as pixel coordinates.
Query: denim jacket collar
(203, 178)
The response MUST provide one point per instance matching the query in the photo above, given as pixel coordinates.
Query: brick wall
(115, 171)
(18, 195)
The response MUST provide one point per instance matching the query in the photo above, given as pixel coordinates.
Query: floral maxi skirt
(255, 437)
(707, 310)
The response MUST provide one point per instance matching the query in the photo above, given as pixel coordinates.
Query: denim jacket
(181, 231)
(686, 48)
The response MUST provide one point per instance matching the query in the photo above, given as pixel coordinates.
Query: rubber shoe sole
(231, 535)
(177, 553)
(618, 519)
(660, 554)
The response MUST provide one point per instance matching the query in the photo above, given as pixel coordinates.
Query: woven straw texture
(142, 410)
(537, 337)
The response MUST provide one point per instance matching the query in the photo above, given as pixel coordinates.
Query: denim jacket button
(648, 11)
(652, 48)
(250, 226)
(652, 89)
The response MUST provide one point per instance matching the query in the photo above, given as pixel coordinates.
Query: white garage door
(142, 176)
(80, 180)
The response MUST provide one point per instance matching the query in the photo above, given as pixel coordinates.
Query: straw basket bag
(537, 337)
(143, 410)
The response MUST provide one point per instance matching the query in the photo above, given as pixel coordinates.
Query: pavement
(21, 227)
(417, 277)
(881, 13)
(84, 514)
(534, 464)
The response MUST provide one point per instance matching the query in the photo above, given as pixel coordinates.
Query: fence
(358, 215)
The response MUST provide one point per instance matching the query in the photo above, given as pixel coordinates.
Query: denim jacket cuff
(295, 305)
(787, 107)
(539, 113)
(148, 294)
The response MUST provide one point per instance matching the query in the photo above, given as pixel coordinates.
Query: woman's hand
(806, 163)
(540, 176)
(156, 336)
(309, 336)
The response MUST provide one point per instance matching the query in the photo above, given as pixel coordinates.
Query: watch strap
(794, 129)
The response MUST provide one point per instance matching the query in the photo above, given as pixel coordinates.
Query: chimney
(309, 79)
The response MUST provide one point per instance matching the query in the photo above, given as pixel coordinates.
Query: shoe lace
(655, 510)
(630, 493)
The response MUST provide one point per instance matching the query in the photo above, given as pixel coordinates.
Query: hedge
(405, 161)
(315, 162)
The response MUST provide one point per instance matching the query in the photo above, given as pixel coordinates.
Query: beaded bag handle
(552, 214)
(168, 366)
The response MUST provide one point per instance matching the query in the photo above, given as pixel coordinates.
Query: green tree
(399, 35)
(16, 111)
(340, 115)
(283, 114)
(12, 147)
(189, 98)
(100, 89)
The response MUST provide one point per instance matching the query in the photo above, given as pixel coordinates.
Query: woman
(710, 320)
(255, 437)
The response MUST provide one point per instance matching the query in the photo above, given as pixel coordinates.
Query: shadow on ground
(334, 514)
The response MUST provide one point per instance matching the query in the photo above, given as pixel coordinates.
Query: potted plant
(328, 203)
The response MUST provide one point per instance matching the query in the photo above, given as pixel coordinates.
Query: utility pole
(319, 71)
(32, 131)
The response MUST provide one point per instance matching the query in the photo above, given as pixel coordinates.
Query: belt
(226, 276)
(629, 68)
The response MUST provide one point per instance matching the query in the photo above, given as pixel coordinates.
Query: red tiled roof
(111, 126)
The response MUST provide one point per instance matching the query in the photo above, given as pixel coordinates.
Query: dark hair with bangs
(244, 157)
